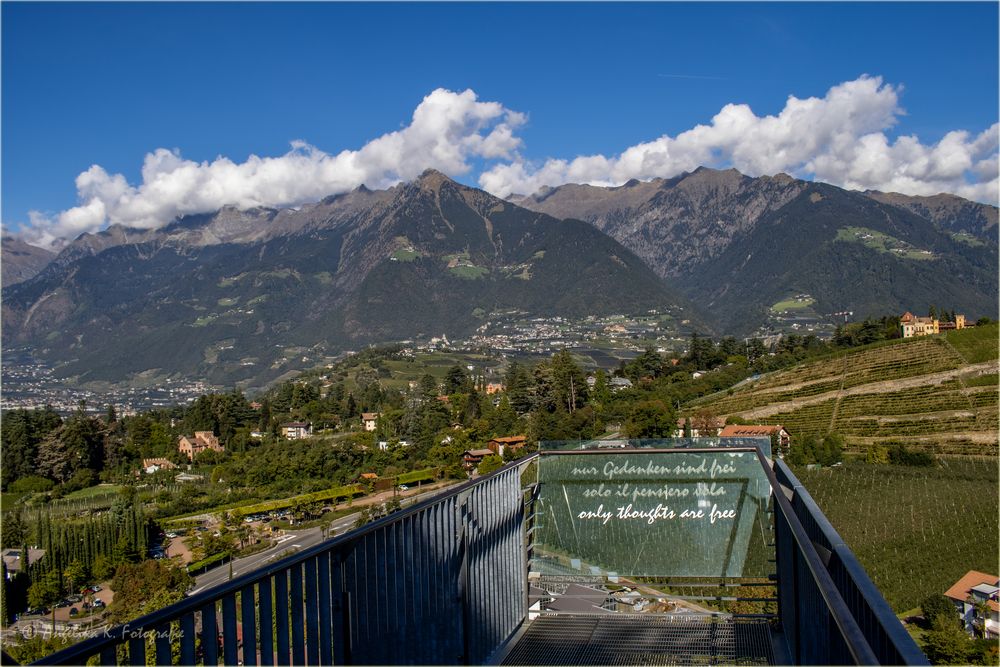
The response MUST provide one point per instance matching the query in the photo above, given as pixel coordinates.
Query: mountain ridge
(239, 295)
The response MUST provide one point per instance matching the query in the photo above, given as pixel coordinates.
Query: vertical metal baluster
(298, 625)
(210, 634)
(325, 610)
(401, 617)
(380, 600)
(281, 616)
(368, 583)
(161, 642)
(248, 607)
(229, 633)
(339, 631)
(187, 639)
(109, 655)
(137, 648)
(312, 613)
(266, 607)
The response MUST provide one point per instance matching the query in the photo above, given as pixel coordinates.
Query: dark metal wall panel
(440, 583)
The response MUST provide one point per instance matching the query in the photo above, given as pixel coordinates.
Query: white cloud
(446, 131)
(840, 138)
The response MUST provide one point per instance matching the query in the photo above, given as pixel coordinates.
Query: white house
(369, 419)
(296, 430)
(977, 589)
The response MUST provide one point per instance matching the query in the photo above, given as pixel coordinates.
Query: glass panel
(763, 443)
(631, 512)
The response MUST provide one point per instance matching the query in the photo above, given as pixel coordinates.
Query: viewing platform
(680, 551)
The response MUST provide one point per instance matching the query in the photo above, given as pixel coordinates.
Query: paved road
(290, 542)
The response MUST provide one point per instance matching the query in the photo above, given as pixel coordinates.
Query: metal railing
(802, 619)
(445, 582)
(441, 582)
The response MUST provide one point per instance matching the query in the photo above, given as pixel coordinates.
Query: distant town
(31, 383)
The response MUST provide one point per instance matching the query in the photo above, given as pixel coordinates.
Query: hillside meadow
(935, 393)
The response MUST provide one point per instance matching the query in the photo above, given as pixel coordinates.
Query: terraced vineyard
(915, 530)
(937, 393)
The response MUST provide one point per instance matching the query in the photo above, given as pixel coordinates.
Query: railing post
(462, 510)
(341, 637)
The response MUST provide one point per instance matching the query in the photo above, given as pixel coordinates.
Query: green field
(915, 530)
(405, 254)
(792, 304)
(205, 320)
(437, 364)
(882, 243)
(966, 238)
(977, 344)
(469, 272)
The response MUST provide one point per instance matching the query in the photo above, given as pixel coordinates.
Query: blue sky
(105, 84)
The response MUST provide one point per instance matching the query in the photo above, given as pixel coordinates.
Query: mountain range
(238, 295)
(243, 295)
(738, 245)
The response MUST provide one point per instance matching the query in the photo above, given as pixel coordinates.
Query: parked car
(404, 487)
(73, 611)
(98, 604)
(171, 535)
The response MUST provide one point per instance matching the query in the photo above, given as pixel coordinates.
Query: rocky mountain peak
(431, 179)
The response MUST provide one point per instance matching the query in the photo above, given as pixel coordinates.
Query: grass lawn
(406, 254)
(976, 344)
(792, 304)
(469, 272)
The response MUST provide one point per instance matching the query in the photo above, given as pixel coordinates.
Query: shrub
(31, 484)
(900, 455)
(936, 605)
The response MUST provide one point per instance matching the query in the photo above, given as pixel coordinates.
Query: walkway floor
(642, 639)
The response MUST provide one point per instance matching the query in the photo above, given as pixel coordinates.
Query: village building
(911, 325)
(959, 323)
(296, 430)
(499, 445)
(192, 446)
(150, 466)
(973, 594)
(617, 383)
(12, 559)
(369, 419)
(756, 431)
(700, 428)
(494, 387)
(471, 458)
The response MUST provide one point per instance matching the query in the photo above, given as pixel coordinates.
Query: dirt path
(883, 387)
